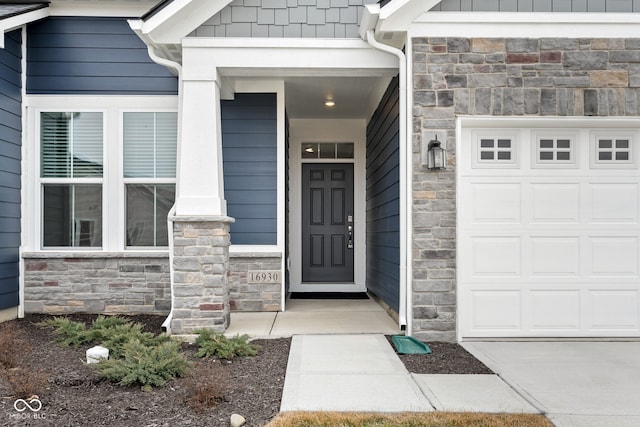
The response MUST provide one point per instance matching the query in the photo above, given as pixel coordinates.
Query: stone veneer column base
(200, 275)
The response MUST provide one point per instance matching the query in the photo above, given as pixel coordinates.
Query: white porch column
(200, 186)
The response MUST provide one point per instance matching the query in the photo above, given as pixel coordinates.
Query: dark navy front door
(327, 223)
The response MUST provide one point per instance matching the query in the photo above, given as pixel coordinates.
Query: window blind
(150, 141)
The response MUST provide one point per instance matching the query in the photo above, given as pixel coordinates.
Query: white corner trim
(521, 24)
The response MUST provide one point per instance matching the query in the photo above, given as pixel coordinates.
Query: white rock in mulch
(237, 420)
(97, 353)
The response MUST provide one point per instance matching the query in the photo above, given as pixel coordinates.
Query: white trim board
(521, 24)
(302, 131)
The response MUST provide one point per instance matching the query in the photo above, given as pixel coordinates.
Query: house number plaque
(265, 276)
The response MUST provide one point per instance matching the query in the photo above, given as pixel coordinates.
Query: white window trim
(113, 213)
(574, 149)
(496, 134)
(124, 181)
(613, 164)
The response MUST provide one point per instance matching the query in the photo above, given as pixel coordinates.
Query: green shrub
(215, 344)
(147, 366)
(69, 333)
(116, 336)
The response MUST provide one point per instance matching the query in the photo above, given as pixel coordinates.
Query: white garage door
(548, 232)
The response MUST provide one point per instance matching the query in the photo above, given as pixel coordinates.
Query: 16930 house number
(266, 276)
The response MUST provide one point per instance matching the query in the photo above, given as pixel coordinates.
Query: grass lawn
(424, 419)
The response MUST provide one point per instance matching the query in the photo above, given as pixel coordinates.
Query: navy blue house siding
(249, 152)
(383, 200)
(70, 55)
(10, 155)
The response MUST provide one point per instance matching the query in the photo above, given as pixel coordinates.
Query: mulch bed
(75, 395)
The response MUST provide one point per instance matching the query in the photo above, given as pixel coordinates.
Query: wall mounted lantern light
(436, 155)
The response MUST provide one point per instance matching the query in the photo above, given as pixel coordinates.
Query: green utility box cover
(409, 345)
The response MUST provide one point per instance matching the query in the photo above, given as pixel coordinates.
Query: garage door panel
(555, 203)
(614, 256)
(614, 203)
(496, 310)
(555, 256)
(495, 256)
(614, 309)
(554, 309)
(496, 202)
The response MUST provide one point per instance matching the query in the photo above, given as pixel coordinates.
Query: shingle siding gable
(282, 18)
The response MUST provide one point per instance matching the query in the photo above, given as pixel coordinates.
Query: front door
(327, 223)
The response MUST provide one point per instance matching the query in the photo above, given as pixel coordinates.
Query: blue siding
(249, 151)
(10, 155)
(92, 56)
(383, 200)
(612, 6)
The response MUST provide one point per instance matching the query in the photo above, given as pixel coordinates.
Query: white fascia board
(18, 21)
(370, 17)
(397, 15)
(178, 19)
(129, 9)
(205, 57)
(521, 24)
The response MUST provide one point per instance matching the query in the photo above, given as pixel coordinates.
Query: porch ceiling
(354, 97)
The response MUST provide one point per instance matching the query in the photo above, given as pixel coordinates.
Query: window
(614, 149)
(327, 150)
(71, 172)
(555, 149)
(494, 150)
(149, 175)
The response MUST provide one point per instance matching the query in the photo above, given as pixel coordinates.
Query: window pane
(345, 150)
(605, 143)
(486, 143)
(622, 143)
(72, 215)
(310, 151)
(546, 143)
(504, 155)
(150, 141)
(622, 155)
(564, 155)
(327, 151)
(504, 143)
(546, 155)
(147, 210)
(486, 155)
(71, 145)
(604, 155)
(564, 143)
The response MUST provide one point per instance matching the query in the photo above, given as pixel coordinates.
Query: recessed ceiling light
(329, 103)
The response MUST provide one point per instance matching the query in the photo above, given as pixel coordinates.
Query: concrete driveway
(576, 384)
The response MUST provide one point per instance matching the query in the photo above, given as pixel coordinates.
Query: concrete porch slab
(348, 373)
(256, 325)
(472, 393)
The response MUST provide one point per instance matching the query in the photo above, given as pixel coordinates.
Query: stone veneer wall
(85, 283)
(500, 77)
(254, 296)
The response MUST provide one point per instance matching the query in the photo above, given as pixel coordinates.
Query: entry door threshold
(328, 287)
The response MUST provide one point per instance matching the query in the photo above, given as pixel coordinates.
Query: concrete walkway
(363, 373)
(576, 384)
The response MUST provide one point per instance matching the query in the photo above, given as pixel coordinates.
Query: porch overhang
(16, 15)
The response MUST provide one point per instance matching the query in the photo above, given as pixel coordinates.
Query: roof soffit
(178, 19)
(397, 15)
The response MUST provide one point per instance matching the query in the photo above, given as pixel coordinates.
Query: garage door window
(554, 150)
(495, 150)
(612, 151)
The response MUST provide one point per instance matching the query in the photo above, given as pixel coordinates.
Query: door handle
(350, 237)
